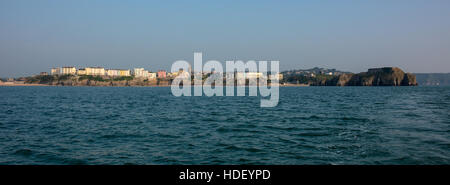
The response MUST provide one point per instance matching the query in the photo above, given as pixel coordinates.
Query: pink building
(162, 74)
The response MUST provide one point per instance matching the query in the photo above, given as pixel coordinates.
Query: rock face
(409, 80)
(386, 76)
(341, 80)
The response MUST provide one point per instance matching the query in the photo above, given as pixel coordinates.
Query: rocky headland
(386, 76)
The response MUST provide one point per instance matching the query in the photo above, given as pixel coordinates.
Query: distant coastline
(386, 76)
(45, 85)
(433, 79)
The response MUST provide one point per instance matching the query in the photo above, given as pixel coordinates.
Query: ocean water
(148, 125)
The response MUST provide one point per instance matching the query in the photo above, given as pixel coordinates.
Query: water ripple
(314, 125)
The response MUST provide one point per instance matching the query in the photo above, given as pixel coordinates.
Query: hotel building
(69, 70)
(96, 71)
(140, 73)
(113, 72)
(81, 71)
(55, 71)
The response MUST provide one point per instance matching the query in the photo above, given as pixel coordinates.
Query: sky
(346, 35)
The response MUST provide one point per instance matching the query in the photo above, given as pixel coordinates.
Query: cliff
(386, 76)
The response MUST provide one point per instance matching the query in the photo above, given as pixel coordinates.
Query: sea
(148, 125)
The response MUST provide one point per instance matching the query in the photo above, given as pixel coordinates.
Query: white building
(69, 70)
(151, 75)
(55, 71)
(95, 71)
(81, 71)
(249, 75)
(113, 72)
(141, 73)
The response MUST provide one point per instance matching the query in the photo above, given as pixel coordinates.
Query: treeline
(302, 79)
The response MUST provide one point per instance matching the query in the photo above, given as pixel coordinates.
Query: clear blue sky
(346, 35)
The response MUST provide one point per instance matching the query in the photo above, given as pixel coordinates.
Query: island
(386, 76)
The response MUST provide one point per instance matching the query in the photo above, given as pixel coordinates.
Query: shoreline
(25, 85)
(45, 85)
